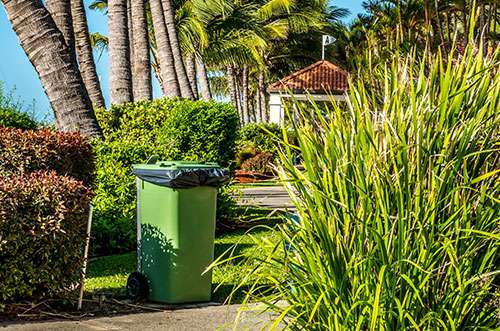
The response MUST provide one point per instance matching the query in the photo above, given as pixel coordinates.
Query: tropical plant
(120, 76)
(45, 47)
(85, 55)
(398, 207)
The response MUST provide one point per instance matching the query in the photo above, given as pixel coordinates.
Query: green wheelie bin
(176, 204)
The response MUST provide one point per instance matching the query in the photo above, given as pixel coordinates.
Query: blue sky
(17, 72)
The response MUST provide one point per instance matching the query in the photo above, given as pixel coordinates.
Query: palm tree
(120, 77)
(169, 17)
(244, 94)
(191, 72)
(142, 85)
(203, 78)
(164, 50)
(45, 47)
(85, 55)
(60, 10)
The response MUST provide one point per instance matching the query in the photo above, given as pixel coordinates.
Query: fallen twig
(140, 307)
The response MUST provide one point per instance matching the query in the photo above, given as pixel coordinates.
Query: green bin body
(176, 229)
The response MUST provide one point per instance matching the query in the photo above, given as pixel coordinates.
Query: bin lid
(182, 174)
(175, 165)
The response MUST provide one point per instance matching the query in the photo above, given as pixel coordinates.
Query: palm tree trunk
(85, 55)
(47, 51)
(168, 12)
(258, 106)
(244, 92)
(495, 20)
(191, 73)
(143, 89)
(439, 24)
(262, 93)
(165, 56)
(448, 33)
(203, 79)
(60, 10)
(483, 32)
(120, 77)
(232, 86)
(131, 44)
(238, 100)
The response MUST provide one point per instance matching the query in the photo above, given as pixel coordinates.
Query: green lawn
(108, 275)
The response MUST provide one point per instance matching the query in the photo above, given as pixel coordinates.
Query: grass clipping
(398, 205)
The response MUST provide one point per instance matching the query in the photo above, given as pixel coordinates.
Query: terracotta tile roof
(318, 77)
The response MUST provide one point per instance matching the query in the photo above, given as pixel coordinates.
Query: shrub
(260, 163)
(245, 152)
(174, 129)
(261, 136)
(25, 152)
(12, 114)
(398, 206)
(42, 234)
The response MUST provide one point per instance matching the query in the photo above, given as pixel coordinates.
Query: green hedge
(42, 234)
(174, 129)
(25, 152)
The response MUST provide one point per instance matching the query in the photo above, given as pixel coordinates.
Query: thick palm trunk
(203, 79)
(142, 85)
(85, 55)
(120, 77)
(165, 56)
(191, 73)
(46, 49)
(244, 92)
(168, 12)
(60, 10)
(262, 92)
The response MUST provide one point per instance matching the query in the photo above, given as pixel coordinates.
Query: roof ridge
(323, 73)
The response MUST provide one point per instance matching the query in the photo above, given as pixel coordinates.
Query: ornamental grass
(398, 205)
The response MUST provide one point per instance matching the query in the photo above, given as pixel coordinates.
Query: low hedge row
(42, 233)
(25, 152)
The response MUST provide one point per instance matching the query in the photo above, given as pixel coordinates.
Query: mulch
(241, 176)
(57, 309)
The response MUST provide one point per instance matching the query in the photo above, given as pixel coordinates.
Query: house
(321, 81)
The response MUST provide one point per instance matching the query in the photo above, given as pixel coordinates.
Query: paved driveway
(273, 197)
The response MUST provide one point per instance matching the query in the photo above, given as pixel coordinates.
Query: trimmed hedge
(174, 129)
(42, 234)
(25, 152)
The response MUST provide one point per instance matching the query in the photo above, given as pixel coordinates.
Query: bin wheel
(137, 286)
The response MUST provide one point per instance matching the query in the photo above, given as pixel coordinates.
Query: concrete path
(204, 318)
(273, 197)
(207, 318)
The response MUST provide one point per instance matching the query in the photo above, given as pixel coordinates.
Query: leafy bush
(25, 152)
(174, 129)
(245, 152)
(398, 206)
(261, 139)
(42, 234)
(12, 114)
(260, 163)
